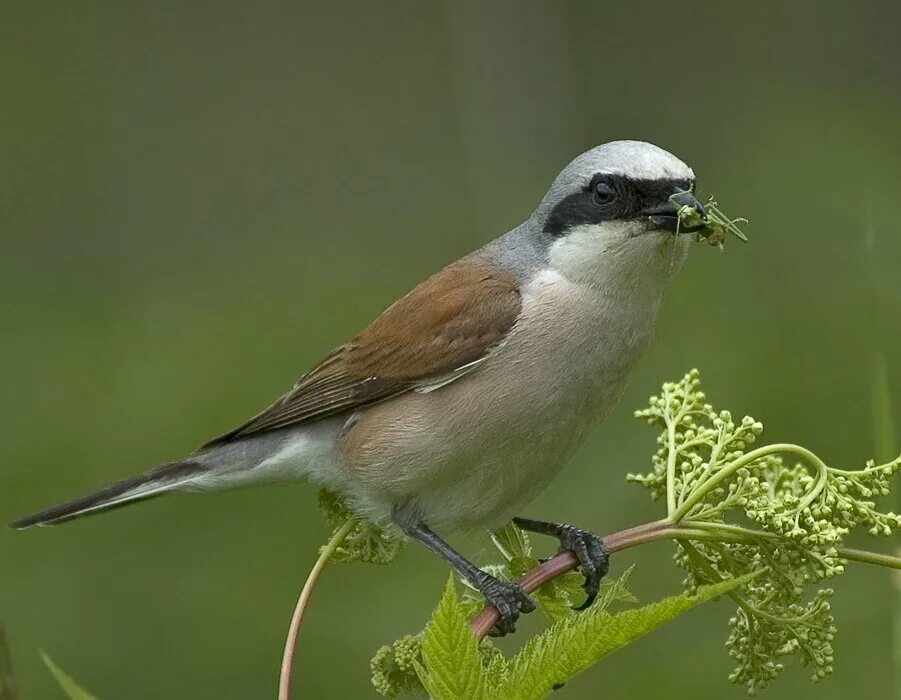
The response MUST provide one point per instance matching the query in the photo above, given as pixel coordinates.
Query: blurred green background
(199, 200)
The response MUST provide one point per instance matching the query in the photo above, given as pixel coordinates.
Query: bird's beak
(666, 216)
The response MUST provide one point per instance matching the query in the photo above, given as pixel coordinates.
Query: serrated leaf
(451, 666)
(512, 542)
(558, 597)
(495, 666)
(72, 690)
(570, 646)
(616, 590)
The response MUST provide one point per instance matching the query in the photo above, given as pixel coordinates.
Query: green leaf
(570, 646)
(558, 597)
(616, 590)
(512, 542)
(72, 690)
(451, 665)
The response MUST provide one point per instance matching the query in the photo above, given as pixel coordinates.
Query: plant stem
(566, 561)
(886, 444)
(703, 489)
(650, 532)
(745, 533)
(671, 459)
(284, 679)
(875, 558)
(671, 469)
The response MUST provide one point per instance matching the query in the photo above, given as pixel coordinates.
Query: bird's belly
(473, 465)
(496, 484)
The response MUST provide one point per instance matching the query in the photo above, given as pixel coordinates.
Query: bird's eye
(604, 193)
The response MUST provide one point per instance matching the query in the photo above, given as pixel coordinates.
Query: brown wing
(446, 323)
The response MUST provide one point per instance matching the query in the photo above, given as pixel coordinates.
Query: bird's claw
(594, 559)
(509, 599)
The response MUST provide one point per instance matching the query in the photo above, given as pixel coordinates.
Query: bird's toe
(510, 600)
(594, 559)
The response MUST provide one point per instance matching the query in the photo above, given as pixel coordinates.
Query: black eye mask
(591, 205)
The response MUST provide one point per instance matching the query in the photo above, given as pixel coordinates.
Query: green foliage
(569, 647)
(366, 542)
(72, 690)
(449, 663)
(716, 483)
(803, 509)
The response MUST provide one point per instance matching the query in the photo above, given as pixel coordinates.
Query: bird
(459, 403)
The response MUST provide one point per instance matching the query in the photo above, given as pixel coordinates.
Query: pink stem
(566, 561)
(284, 679)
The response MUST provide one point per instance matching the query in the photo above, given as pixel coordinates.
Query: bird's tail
(151, 483)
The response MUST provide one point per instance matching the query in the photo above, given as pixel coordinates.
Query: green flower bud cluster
(366, 542)
(696, 443)
(772, 620)
(757, 642)
(822, 507)
(707, 469)
(393, 668)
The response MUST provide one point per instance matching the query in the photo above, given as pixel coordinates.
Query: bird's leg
(507, 596)
(589, 550)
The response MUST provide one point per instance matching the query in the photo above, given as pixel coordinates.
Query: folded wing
(443, 328)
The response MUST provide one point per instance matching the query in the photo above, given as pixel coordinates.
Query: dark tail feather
(151, 483)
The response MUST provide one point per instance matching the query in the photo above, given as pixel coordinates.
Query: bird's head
(609, 213)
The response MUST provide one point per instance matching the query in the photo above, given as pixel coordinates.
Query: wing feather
(443, 328)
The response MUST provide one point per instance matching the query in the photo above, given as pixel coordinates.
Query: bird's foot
(508, 598)
(594, 559)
